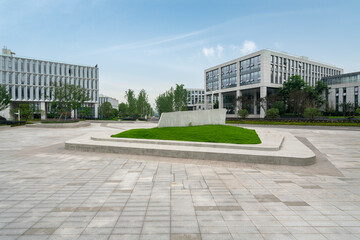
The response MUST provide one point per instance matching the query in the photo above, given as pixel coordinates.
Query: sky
(155, 44)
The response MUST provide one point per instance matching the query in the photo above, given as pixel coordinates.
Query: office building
(29, 80)
(344, 88)
(114, 102)
(195, 99)
(257, 75)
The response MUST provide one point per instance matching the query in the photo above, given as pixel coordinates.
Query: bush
(312, 113)
(279, 105)
(272, 113)
(358, 111)
(243, 113)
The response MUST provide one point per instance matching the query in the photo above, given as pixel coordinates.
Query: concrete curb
(59, 125)
(292, 152)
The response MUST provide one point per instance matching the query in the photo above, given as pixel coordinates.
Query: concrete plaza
(47, 192)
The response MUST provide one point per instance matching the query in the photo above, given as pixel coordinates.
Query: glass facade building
(195, 98)
(344, 88)
(258, 74)
(30, 80)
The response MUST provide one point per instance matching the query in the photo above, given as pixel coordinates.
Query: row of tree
(135, 107)
(172, 100)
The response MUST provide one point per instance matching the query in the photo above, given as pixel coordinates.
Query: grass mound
(206, 133)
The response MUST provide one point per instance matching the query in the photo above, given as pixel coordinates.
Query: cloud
(213, 51)
(248, 47)
(208, 52)
(220, 50)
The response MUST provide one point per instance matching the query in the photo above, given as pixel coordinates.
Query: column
(43, 110)
(263, 93)
(221, 105)
(237, 107)
(96, 110)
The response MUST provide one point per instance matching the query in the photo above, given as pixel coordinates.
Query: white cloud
(220, 50)
(248, 47)
(208, 52)
(213, 51)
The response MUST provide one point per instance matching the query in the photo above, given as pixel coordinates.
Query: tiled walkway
(47, 192)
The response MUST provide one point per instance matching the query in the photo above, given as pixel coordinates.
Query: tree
(5, 98)
(243, 102)
(216, 104)
(131, 102)
(164, 102)
(348, 109)
(68, 97)
(114, 113)
(142, 102)
(106, 110)
(123, 109)
(180, 94)
(85, 112)
(297, 95)
(26, 111)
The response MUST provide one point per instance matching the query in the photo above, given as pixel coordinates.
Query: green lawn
(344, 124)
(206, 133)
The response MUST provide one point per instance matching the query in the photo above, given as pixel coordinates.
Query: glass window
(9, 63)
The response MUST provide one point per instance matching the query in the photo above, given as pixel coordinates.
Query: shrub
(358, 111)
(281, 106)
(272, 113)
(312, 113)
(243, 113)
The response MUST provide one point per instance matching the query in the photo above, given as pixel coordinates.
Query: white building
(195, 98)
(28, 80)
(114, 102)
(257, 75)
(344, 88)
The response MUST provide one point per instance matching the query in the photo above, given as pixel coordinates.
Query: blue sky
(155, 44)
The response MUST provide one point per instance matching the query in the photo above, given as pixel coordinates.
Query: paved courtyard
(47, 192)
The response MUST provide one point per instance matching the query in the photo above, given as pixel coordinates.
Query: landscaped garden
(206, 133)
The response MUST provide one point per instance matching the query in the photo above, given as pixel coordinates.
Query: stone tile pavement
(47, 192)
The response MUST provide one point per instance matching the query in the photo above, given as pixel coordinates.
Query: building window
(356, 96)
(9, 64)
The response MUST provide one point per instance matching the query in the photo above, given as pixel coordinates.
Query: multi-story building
(257, 75)
(29, 80)
(344, 88)
(114, 102)
(195, 99)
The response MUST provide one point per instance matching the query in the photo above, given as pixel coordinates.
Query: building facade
(29, 80)
(195, 99)
(344, 88)
(257, 75)
(114, 102)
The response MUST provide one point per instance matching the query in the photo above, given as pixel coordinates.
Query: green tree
(180, 94)
(85, 112)
(348, 109)
(216, 104)
(68, 97)
(5, 98)
(131, 102)
(114, 113)
(164, 102)
(123, 109)
(106, 110)
(26, 111)
(142, 103)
